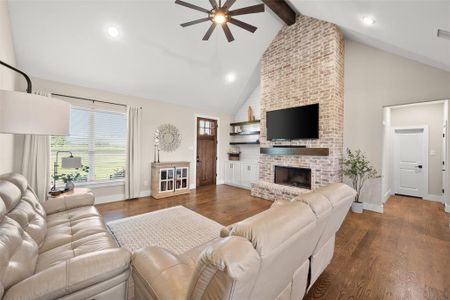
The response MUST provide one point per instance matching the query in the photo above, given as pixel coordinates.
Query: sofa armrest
(72, 275)
(84, 197)
(160, 274)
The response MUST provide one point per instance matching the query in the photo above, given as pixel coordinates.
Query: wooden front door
(206, 151)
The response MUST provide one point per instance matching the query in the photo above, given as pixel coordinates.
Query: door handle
(419, 166)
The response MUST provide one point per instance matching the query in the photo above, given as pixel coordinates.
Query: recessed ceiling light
(230, 77)
(367, 20)
(113, 31)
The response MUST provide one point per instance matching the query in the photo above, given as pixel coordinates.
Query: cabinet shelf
(245, 123)
(244, 143)
(245, 133)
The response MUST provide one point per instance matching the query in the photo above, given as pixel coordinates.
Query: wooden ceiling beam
(282, 10)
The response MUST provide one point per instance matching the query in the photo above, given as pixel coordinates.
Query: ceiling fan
(222, 15)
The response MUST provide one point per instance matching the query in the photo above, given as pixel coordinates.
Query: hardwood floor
(401, 254)
(223, 204)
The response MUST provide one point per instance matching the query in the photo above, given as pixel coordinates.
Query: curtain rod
(89, 99)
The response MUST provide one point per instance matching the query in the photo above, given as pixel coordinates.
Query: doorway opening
(415, 151)
(206, 168)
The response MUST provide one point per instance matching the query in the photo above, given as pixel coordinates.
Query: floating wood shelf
(245, 133)
(244, 143)
(245, 123)
(296, 151)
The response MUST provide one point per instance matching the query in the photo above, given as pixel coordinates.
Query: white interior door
(411, 161)
(444, 162)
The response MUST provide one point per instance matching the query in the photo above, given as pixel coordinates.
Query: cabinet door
(248, 174)
(228, 172)
(236, 173)
(181, 178)
(166, 180)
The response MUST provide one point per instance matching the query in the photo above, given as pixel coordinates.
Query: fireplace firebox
(297, 177)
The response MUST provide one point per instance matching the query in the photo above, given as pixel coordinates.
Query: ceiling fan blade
(213, 3)
(248, 10)
(194, 22)
(228, 33)
(210, 31)
(243, 25)
(192, 6)
(228, 3)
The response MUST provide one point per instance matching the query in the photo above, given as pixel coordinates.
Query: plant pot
(69, 186)
(357, 207)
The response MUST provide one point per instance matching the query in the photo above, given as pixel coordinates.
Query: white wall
(249, 152)
(7, 82)
(373, 79)
(154, 113)
(432, 115)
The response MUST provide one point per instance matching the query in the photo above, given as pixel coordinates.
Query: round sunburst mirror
(168, 137)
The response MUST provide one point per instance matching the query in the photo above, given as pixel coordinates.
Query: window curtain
(36, 161)
(133, 171)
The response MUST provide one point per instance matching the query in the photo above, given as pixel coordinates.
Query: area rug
(177, 229)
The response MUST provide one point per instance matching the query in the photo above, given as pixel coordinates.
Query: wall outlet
(432, 152)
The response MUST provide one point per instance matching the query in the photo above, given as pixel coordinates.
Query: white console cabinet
(241, 173)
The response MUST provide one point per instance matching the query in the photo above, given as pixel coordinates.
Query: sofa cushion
(76, 274)
(17, 179)
(10, 194)
(91, 243)
(23, 207)
(269, 229)
(72, 215)
(18, 252)
(72, 231)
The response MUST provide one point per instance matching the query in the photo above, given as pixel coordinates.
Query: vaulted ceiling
(155, 58)
(407, 28)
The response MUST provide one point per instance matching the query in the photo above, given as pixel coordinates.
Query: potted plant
(69, 179)
(358, 168)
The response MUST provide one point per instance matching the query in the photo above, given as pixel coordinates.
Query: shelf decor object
(27, 113)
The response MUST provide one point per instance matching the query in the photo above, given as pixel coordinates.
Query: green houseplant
(70, 178)
(358, 169)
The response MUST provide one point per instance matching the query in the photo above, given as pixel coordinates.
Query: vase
(69, 186)
(357, 207)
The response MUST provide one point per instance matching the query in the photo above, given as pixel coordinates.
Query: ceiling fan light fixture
(219, 18)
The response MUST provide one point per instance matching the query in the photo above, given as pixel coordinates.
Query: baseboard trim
(447, 208)
(118, 197)
(379, 208)
(434, 198)
(387, 195)
(109, 198)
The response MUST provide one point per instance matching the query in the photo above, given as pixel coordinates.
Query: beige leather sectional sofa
(277, 254)
(61, 249)
(58, 249)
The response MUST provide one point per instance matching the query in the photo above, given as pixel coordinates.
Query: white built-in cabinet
(241, 173)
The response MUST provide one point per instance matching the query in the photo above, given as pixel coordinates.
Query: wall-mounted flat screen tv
(294, 123)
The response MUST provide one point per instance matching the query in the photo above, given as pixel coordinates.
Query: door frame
(424, 153)
(196, 116)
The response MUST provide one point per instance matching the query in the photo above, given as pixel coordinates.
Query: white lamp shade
(23, 113)
(71, 162)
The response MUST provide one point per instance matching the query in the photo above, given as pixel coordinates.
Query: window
(206, 127)
(99, 137)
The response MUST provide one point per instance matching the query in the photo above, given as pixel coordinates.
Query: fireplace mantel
(295, 151)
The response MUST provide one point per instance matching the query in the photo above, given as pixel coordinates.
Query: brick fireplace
(304, 65)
